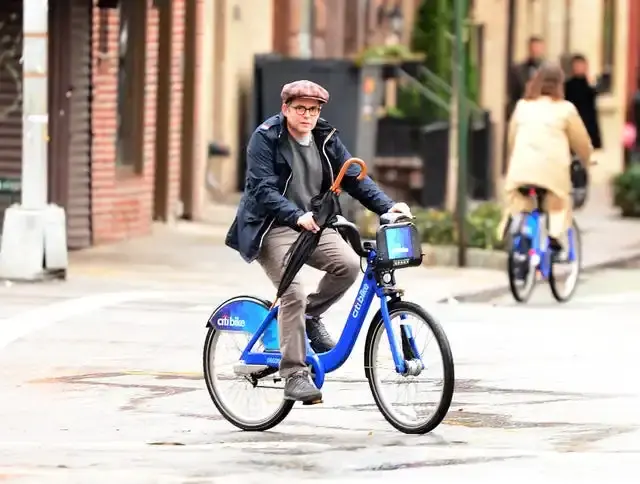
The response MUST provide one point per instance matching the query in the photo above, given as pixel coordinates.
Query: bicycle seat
(532, 191)
(392, 218)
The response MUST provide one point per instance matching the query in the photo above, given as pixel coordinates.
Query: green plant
(626, 191)
(388, 54)
(436, 227)
(482, 223)
(432, 36)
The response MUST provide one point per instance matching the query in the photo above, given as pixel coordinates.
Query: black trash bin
(434, 152)
(480, 157)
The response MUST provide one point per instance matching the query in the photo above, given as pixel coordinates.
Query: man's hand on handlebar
(308, 223)
(402, 208)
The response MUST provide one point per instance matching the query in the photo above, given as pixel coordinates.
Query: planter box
(447, 255)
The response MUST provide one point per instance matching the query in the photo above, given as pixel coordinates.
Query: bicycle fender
(239, 313)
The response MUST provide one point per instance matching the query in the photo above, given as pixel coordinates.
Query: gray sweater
(306, 181)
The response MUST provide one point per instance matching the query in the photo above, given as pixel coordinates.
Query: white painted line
(202, 308)
(20, 325)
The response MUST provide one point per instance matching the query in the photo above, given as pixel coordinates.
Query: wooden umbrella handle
(363, 172)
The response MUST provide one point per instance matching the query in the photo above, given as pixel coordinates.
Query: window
(130, 56)
(608, 44)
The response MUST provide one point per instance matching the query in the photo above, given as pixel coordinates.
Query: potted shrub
(626, 191)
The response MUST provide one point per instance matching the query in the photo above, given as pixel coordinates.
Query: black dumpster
(356, 93)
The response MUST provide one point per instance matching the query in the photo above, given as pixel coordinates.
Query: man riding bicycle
(292, 157)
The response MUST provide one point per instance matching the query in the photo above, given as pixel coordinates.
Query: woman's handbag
(579, 183)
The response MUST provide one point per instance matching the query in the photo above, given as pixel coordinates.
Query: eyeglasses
(302, 110)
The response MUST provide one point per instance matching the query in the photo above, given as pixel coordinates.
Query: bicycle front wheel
(566, 267)
(431, 389)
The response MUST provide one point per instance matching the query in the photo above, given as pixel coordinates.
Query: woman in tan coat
(543, 131)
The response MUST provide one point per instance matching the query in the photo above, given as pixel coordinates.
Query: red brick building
(122, 131)
(136, 116)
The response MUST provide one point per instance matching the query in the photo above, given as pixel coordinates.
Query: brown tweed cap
(306, 89)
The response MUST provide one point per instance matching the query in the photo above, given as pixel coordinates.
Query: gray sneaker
(300, 388)
(319, 338)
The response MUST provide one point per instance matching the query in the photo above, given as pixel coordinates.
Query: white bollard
(34, 243)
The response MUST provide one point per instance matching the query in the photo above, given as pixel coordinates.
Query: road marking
(20, 325)
(202, 308)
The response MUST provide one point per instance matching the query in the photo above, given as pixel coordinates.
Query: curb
(486, 295)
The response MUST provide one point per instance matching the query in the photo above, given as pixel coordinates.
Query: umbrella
(325, 207)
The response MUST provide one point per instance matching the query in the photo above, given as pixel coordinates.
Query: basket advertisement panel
(398, 246)
(400, 243)
(246, 315)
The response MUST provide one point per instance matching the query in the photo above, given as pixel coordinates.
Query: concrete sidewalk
(194, 254)
(190, 255)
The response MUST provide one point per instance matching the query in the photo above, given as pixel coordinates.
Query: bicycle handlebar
(350, 231)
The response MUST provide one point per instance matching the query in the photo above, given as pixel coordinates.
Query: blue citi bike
(251, 364)
(532, 253)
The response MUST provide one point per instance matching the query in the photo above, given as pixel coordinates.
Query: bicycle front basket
(398, 246)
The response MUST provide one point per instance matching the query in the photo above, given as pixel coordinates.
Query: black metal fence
(399, 138)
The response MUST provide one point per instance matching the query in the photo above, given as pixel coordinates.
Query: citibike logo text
(359, 301)
(231, 322)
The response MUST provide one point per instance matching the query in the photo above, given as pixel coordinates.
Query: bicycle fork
(406, 356)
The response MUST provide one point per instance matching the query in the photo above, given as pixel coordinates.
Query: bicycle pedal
(312, 402)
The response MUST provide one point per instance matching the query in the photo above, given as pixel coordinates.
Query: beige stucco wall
(240, 29)
(493, 14)
(549, 19)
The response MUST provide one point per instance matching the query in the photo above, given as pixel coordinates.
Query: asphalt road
(101, 382)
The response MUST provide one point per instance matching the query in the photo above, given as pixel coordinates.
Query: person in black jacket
(292, 157)
(582, 93)
(520, 74)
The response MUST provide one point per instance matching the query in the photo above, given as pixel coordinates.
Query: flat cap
(306, 89)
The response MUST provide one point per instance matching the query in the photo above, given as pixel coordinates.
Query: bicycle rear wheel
(220, 378)
(522, 274)
(427, 416)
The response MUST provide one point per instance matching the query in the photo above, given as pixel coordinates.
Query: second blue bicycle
(531, 254)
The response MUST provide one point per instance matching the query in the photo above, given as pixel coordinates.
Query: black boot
(319, 337)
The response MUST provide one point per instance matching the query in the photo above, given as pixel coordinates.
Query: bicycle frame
(324, 363)
(539, 245)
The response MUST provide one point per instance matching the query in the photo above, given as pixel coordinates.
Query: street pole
(305, 39)
(460, 8)
(34, 104)
(34, 232)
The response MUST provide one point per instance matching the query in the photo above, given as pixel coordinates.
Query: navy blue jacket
(269, 161)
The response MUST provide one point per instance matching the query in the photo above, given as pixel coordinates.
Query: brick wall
(175, 108)
(122, 201)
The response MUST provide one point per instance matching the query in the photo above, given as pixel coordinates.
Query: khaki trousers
(333, 256)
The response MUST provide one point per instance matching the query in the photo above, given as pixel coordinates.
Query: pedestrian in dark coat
(582, 93)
